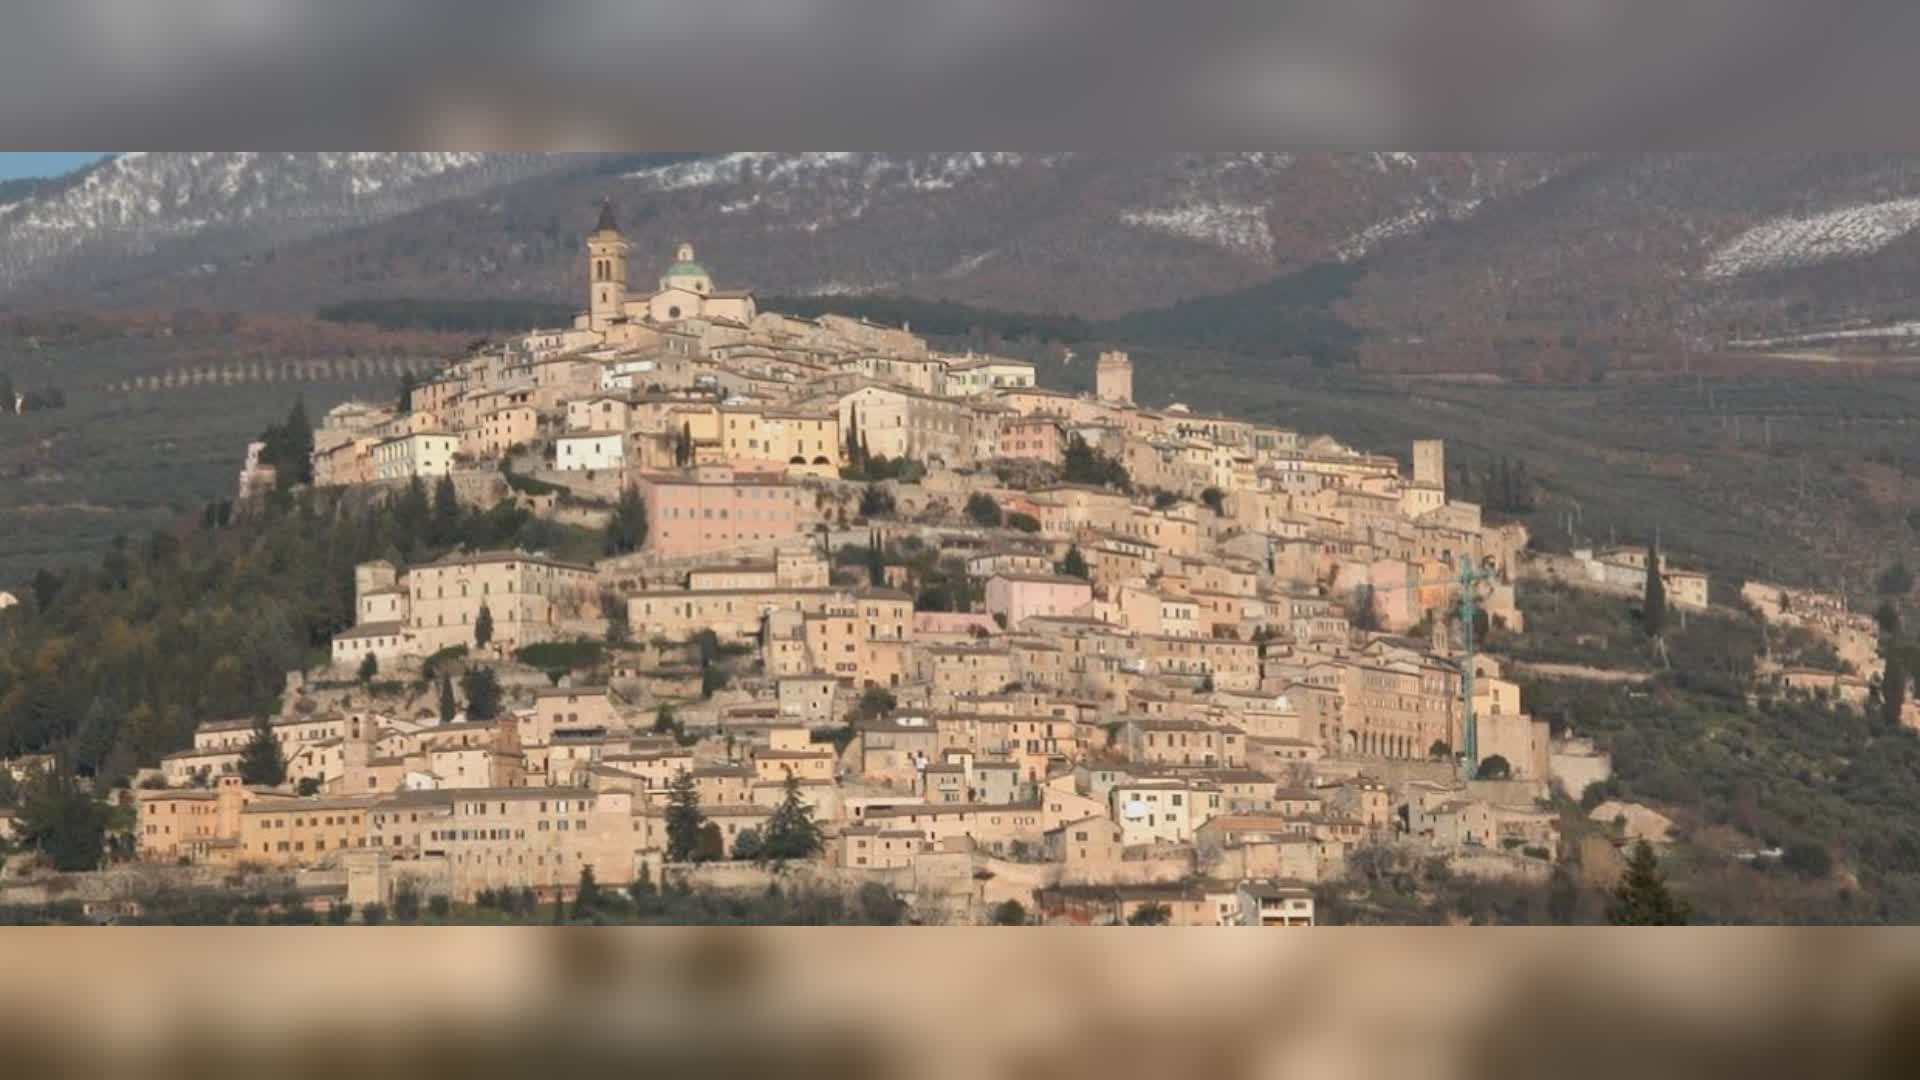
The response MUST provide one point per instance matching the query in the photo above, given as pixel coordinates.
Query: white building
(425, 453)
(589, 450)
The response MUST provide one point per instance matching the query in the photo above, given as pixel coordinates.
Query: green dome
(686, 269)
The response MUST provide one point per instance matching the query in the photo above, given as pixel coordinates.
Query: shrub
(373, 914)
(1009, 913)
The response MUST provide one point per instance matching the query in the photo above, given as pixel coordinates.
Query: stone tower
(1430, 463)
(606, 272)
(371, 577)
(1113, 378)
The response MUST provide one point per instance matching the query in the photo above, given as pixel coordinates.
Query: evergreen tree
(1075, 564)
(62, 821)
(481, 687)
(443, 527)
(627, 528)
(1563, 897)
(483, 627)
(748, 847)
(684, 819)
(1654, 607)
(1150, 914)
(876, 560)
(586, 895)
(412, 514)
(614, 606)
(664, 722)
(709, 845)
(1893, 686)
(983, 510)
(261, 762)
(791, 831)
(448, 706)
(408, 384)
(369, 667)
(1641, 898)
(876, 502)
(1888, 618)
(46, 586)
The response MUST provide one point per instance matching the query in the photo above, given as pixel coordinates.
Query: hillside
(1548, 263)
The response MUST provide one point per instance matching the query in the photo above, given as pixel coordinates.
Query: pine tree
(1893, 686)
(791, 832)
(369, 667)
(1641, 898)
(448, 706)
(483, 627)
(1075, 564)
(684, 819)
(261, 762)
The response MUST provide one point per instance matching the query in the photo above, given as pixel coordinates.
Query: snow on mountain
(142, 204)
(1785, 242)
(923, 172)
(1240, 227)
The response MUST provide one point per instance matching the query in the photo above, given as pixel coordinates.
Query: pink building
(714, 506)
(1021, 596)
(1036, 437)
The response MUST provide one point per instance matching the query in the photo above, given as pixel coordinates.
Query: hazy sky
(13, 165)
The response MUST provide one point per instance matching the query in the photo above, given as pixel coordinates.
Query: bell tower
(606, 272)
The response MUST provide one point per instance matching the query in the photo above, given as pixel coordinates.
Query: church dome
(684, 267)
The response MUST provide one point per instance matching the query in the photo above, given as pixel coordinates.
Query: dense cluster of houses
(1203, 693)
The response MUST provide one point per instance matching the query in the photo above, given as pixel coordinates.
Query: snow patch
(1237, 227)
(836, 287)
(1848, 232)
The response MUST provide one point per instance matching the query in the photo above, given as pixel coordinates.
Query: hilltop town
(970, 639)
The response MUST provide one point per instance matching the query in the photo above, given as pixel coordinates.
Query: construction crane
(1465, 609)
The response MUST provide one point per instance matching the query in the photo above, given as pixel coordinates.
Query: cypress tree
(684, 819)
(483, 627)
(876, 560)
(443, 526)
(1641, 898)
(448, 706)
(1893, 686)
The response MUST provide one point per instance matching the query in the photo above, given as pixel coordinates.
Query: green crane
(1469, 581)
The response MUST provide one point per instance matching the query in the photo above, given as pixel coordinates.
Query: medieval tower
(606, 272)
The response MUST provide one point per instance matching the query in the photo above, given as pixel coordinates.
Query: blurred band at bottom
(989, 1003)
